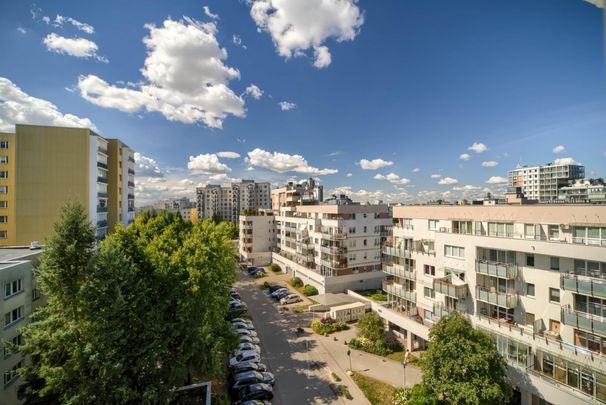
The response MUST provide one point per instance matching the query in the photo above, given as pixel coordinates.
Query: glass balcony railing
(399, 291)
(446, 287)
(396, 251)
(502, 299)
(101, 179)
(497, 269)
(400, 271)
(131, 171)
(584, 321)
(101, 209)
(595, 287)
(102, 194)
(102, 224)
(102, 165)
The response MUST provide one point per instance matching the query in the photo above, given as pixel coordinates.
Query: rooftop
(10, 256)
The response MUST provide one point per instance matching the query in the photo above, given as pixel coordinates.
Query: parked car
(248, 366)
(256, 402)
(290, 299)
(248, 346)
(237, 309)
(235, 295)
(250, 339)
(246, 356)
(246, 332)
(240, 321)
(281, 294)
(274, 287)
(251, 377)
(259, 391)
(254, 270)
(240, 325)
(280, 291)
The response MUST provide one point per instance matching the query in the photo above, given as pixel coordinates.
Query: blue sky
(387, 98)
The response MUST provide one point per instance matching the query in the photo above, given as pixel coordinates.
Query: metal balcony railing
(396, 251)
(102, 165)
(584, 321)
(595, 287)
(444, 286)
(101, 209)
(497, 269)
(400, 271)
(506, 300)
(101, 179)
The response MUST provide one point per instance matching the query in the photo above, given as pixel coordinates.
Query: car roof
(258, 387)
(247, 353)
(247, 374)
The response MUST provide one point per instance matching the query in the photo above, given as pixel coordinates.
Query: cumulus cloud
(489, 163)
(559, 149)
(254, 91)
(287, 105)
(187, 80)
(393, 179)
(78, 47)
(565, 161)
(597, 3)
(448, 181)
(496, 180)
(228, 155)
(416, 170)
(282, 163)
(146, 166)
(374, 164)
(17, 107)
(61, 20)
(349, 174)
(379, 177)
(22, 30)
(468, 187)
(207, 163)
(464, 156)
(297, 27)
(209, 13)
(237, 40)
(478, 147)
(363, 195)
(436, 176)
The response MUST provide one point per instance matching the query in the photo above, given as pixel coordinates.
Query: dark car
(280, 294)
(255, 402)
(237, 309)
(275, 287)
(234, 295)
(248, 366)
(254, 270)
(256, 391)
(251, 377)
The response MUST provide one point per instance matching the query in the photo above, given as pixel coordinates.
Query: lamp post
(404, 364)
(349, 355)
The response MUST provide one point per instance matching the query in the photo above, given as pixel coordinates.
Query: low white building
(348, 312)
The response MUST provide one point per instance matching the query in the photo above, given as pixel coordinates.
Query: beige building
(533, 276)
(334, 247)
(19, 298)
(257, 238)
(42, 167)
(306, 192)
(229, 202)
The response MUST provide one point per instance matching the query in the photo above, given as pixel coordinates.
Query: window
(3, 204)
(13, 316)
(3, 234)
(3, 189)
(554, 295)
(16, 341)
(530, 289)
(364, 227)
(35, 294)
(11, 375)
(3, 174)
(429, 292)
(365, 242)
(454, 251)
(529, 319)
(4, 159)
(529, 231)
(428, 315)
(554, 232)
(3, 144)
(3, 219)
(554, 263)
(432, 224)
(12, 288)
(429, 270)
(530, 260)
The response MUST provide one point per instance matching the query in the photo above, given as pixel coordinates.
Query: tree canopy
(133, 319)
(371, 326)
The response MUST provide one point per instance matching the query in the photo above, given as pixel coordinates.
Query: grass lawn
(397, 356)
(377, 392)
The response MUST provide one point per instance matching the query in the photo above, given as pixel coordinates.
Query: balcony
(584, 321)
(501, 299)
(334, 264)
(595, 287)
(131, 171)
(451, 286)
(131, 184)
(101, 209)
(131, 159)
(102, 194)
(101, 179)
(131, 196)
(400, 271)
(395, 289)
(396, 251)
(333, 250)
(102, 224)
(103, 150)
(497, 269)
(334, 236)
(440, 309)
(102, 165)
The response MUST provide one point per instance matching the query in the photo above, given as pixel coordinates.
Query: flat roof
(16, 253)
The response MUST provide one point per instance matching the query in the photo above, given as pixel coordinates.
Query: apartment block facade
(20, 297)
(257, 238)
(44, 167)
(228, 202)
(305, 192)
(334, 247)
(543, 182)
(532, 276)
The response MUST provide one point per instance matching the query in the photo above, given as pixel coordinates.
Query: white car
(290, 299)
(246, 332)
(243, 347)
(249, 355)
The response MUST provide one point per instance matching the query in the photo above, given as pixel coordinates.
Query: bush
(377, 347)
(275, 268)
(310, 290)
(379, 297)
(296, 282)
(336, 377)
(344, 392)
(421, 395)
(327, 326)
(401, 396)
(371, 326)
(391, 341)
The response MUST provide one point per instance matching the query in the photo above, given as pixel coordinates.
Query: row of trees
(130, 319)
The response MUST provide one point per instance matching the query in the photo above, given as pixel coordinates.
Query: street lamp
(404, 364)
(349, 355)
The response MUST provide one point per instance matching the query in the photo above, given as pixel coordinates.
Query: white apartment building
(584, 191)
(19, 298)
(542, 182)
(229, 202)
(334, 247)
(533, 276)
(257, 238)
(306, 192)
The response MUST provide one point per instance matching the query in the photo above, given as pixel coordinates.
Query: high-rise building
(229, 202)
(43, 167)
(334, 246)
(306, 192)
(532, 276)
(542, 183)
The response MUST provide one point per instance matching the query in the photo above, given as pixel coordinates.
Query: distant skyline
(393, 101)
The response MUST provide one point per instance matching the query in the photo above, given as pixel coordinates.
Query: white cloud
(209, 13)
(241, 140)
(565, 161)
(489, 163)
(448, 181)
(78, 47)
(17, 107)
(379, 177)
(228, 155)
(416, 170)
(286, 105)
(464, 156)
(370, 196)
(186, 77)
(254, 91)
(61, 20)
(467, 187)
(146, 166)
(237, 40)
(296, 26)
(436, 176)
(207, 163)
(46, 19)
(496, 180)
(22, 30)
(559, 149)
(374, 164)
(393, 179)
(478, 147)
(597, 3)
(349, 174)
(282, 163)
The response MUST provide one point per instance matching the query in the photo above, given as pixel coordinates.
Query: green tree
(371, 326)
(462, 364)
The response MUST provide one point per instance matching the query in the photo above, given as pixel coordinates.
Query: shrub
(421, 395)
(310, 290)
(336, 377)
(379, 297)
(401, 396)
(327, 326)
(275, 268)
(296, 282)
(344, 392)
(377, 347)
(391, 341)
(371, 326)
